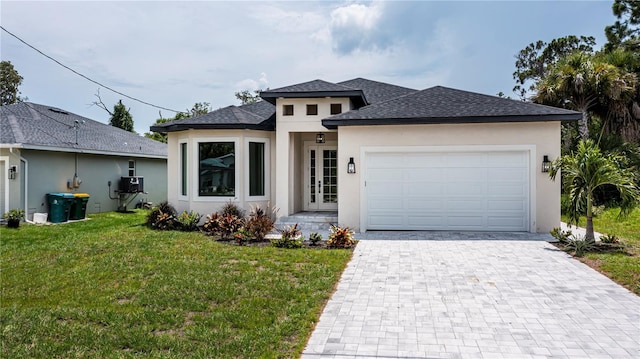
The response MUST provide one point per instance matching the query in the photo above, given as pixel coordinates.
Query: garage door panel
(447, 191)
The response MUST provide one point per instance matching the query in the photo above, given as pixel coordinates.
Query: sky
(173, 54)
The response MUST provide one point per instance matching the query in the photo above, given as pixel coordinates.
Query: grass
(622, 267)
(111, 288)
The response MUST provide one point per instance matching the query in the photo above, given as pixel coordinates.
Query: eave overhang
(357, 96)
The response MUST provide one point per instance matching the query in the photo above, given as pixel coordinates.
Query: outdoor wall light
(320, 137)
(13, 170)
(546, 164)
(351, 166)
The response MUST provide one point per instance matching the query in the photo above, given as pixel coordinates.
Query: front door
(321, 177)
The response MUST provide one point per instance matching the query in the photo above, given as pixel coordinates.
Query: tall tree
(121, 118)
(199, 108)
(585, 171)
(625, 32)
(580, 82)
(10, 80)
(532, 61)
(246, 97)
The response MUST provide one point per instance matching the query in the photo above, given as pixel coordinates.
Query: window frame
(331, 112)
(183, 181)
(195, 180)
(131, 171)
(285, 112)
(310, 109)
(267, 168)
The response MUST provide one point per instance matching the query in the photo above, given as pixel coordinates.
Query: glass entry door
(321, 178)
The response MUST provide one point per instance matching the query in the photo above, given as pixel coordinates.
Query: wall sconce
(546, 164)
(13, 170)
(320, 137)
(351, 166)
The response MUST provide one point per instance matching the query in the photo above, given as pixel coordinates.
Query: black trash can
(79, 206)
(59, 206)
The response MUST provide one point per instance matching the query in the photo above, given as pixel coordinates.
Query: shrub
(211, 225)
(315, 238)
(232, 209)
(188, 221)
(162, 217)
(341, 237)
(580, 246)
(242, 235)
(560, 235)
(260, 223)
(229, 224)
(291, 237)
(609, 239)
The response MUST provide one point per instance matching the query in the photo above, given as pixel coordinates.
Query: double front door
(321, 177)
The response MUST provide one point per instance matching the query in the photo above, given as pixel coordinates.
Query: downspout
(26, 184)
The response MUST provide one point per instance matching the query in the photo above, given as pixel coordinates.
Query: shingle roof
(315, 88)
(31, 125)
(258, 116)
(446, 105)
(376, 91)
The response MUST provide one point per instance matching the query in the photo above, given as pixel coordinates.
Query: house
(45, 149)
(383, 157)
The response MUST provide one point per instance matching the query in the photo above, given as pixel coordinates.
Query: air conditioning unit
(131, 184)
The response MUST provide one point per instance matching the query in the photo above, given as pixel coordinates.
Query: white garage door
(475, 191)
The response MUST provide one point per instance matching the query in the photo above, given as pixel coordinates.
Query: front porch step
(309, 221)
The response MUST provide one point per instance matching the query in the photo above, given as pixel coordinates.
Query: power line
(85, 77)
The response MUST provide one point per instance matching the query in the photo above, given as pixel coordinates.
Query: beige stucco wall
(542, 138)
(207, 205)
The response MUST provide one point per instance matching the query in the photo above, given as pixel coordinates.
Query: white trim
(531, 165)
(5, 177)
(306, 164)
(75, 150)
(195, 165)
(182, 197)
(267, 168)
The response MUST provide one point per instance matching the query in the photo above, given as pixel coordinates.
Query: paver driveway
(474, 299)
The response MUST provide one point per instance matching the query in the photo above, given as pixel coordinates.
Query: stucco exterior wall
(49, 171)
(542, 137)
(206, 205)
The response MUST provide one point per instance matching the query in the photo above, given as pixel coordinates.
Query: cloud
(355, 27)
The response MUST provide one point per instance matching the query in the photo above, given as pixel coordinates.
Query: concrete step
(309, 221)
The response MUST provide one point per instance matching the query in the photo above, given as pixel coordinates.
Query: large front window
(217, 169)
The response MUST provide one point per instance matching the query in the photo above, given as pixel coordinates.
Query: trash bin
(59, 206)
(79, 206)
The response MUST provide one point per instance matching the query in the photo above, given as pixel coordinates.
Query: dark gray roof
(315, 88)
(376, 91)
(445, 105)
(257, 116)
(31, 125)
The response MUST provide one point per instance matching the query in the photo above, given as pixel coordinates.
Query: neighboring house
(45, 149)
(384, 157)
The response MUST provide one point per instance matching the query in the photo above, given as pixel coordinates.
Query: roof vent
(57, 110)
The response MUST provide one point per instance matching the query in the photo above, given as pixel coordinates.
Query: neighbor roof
(35, 126)
(446, 105)
(315, 88)
(256, 116)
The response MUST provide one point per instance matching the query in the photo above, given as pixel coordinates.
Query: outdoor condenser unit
(131, 184)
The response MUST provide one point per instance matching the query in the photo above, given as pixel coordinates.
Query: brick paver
(474, 299)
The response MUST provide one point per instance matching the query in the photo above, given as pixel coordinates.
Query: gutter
(74, 150)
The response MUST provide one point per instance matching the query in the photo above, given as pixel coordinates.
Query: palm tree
(580, 82)
(587, 169)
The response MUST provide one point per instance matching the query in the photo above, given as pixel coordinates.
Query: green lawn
(111, 288)
(624, 268)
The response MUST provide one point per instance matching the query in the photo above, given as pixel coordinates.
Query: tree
(247, 98)
(589, 169)
(625, 32)
(10, 80)
(532, 61)
(121, 117)
(199, 108)
(581, 81)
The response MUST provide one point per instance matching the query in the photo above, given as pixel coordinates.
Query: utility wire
(85, 77)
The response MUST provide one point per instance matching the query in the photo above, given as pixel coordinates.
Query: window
(256, 169)
(312, 110)
(287, 110)
(183, 168)
(132, 168)
(336, 108)
(217, 169)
